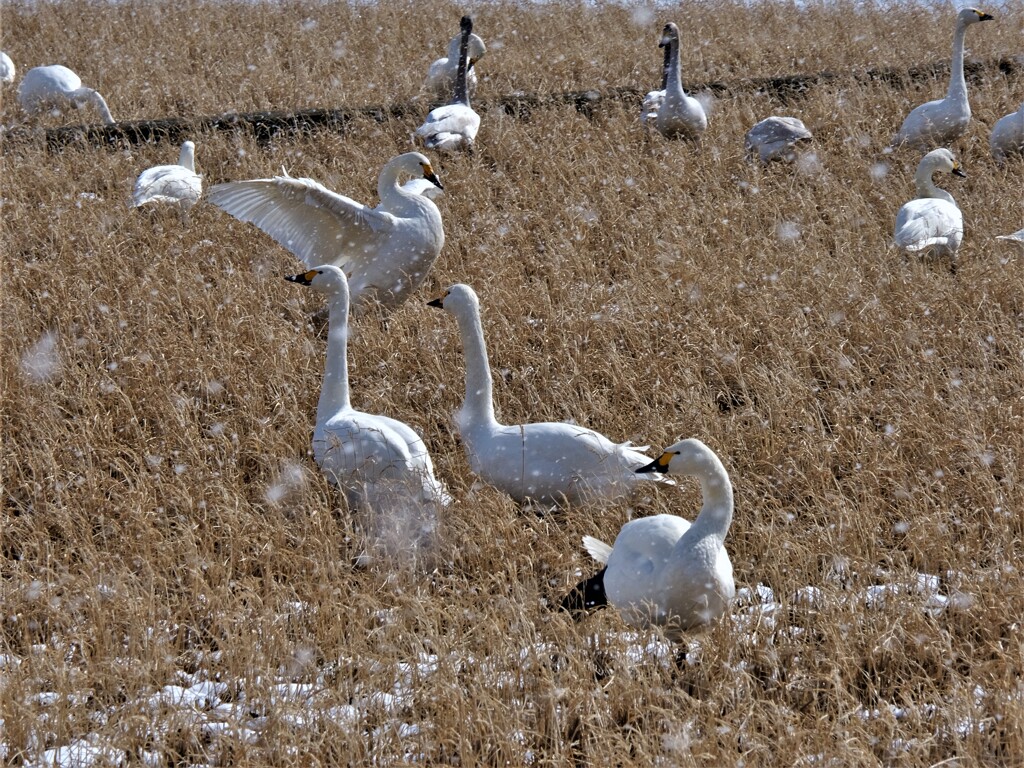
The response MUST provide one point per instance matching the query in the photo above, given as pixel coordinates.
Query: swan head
(187, 157)
(326, 279)
(414, 163)
(940, 160)
(973, 16)
(687, 457)
(456, 299)
(669, 34)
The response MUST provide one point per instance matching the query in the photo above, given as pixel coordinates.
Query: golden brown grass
(161, 514)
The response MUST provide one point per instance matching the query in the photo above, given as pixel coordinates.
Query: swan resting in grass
(777, 138)
(932, 222)
(455, 125)
(1007, 137)
(7, 70)
(939, 122)
(385, 251)
(376, 460)
(441, 76)
(550, 463)
(662, 570)
(675, 115)
(56, 87)
(177, 185)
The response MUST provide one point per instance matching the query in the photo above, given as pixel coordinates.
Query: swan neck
(187, 159)
(94, 98)
(925, 186)
(479, 402)
(957, 83)
(716, 512)
(673, 77)
(665, 66)
(334, 394)
(461, 91)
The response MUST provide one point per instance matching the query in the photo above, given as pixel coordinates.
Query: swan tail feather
(597, 549)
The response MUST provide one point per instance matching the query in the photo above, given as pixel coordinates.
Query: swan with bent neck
(455, 125)
(662, 570)
(374, 459)
(551, 463)
(55, 87)
(940, 121)
(178, 185)
(932, 222)
(679, 116)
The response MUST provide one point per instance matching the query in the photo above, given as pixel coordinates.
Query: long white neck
(478, 406)
(927, 188)
(665, 66)
(187, 158)
(673, 77)
(716, 512)
(89, 96)
(334, 395)
(957, 84)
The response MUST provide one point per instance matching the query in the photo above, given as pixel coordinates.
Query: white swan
(940, 121)
(654, 99)
(776, 138)
(375, 459)
(662, 570)
(385, 251)
(679, 115)
(454, 125)
(548, 462)
(58, 88)
(931, 222)
(7, 70)
(441, 75)
(1007, 137)
(177, 185)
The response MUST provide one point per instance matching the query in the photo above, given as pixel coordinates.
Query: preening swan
(662, 570)
(932, 222)
(453, 126)
(678, 116)
(1007, 137)
(440, 80)
(178, 185)
(940, 121)
(549, 462)
(374, 459)
(58, 88)
(7, 70)
(385, 251)
(777, 138)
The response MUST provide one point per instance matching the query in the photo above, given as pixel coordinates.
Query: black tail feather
(586, 596)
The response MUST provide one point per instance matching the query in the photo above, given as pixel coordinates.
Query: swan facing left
(376, 460)
(932, 222)
(178, 185)
(385, 251)
(56, 87)
(662, 570)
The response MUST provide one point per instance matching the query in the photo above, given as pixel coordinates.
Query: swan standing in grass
(679, 116)
(441, 76)
(654, 99)
(177, 185)
(662, 570)
(932, 222)
(385, 251)
(376, 460)
(454, 125)
(7, 70)
(58, 88)
(550, 463)
(940, 121)
(1007, 137)
(777, 138)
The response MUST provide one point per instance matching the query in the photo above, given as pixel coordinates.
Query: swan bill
(660, 465)
(305, 278)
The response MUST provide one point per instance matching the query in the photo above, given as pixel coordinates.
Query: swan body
(374, 459)
(932, 222)
(678, 116)
(654, 99)
(385, 251)
(1007, 137)
(58, 88)
(551, 462)
(455, 125)
(7, 71)
(178, 185)
(442, 73)
(776, 138)
(662, 570)
(939, 122)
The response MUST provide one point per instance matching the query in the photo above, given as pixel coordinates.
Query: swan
(454, 125)
(932, 221)
(1016, 237)
(940, 121)
(776, 138)
(385, 251)
(679, 115)
(551, 462)
(178, 185)
(441, 75)
(1007, 137)
(7, 70)
(653, 100)
(662, 570)
(376, 460)
(56, 87)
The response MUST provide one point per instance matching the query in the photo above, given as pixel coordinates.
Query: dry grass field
(179, 584)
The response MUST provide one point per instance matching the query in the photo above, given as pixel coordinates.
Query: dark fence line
(265, 126)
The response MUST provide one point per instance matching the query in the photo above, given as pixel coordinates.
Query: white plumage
(385, 251)
(777, 138)
(441, 75)
(940, 121)
(56, 87)
(455, 125)
(1007, 137)
(549, 462)
(177, 185)
(676, 115)
(932, 222)
(7, 70)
